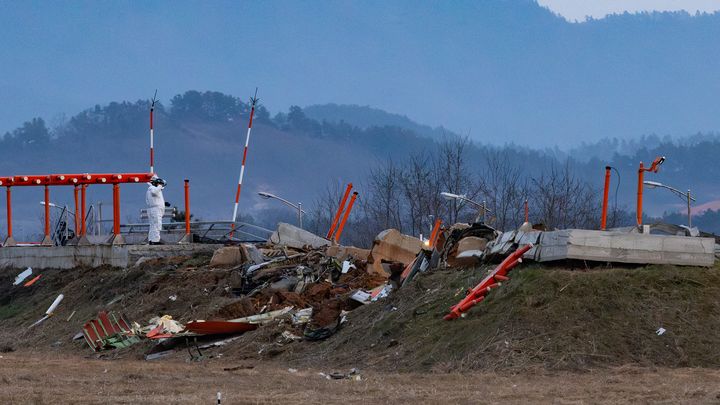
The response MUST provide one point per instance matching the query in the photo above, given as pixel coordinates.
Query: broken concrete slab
(604, 246)
(294, 237)
(392, 246)
(343, 252)
(235, 255)
(469, 251)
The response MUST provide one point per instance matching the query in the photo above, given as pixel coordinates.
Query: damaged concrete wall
(618, 247)
(294, 237)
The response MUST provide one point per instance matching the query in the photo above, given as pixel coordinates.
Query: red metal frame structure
(75, 180)
(492, 281)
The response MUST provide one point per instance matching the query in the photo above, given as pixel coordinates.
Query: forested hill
(200, 136)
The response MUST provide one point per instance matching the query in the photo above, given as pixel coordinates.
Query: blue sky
(499, 69)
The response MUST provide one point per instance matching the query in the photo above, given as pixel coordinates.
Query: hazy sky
(505, 70)
(577, 10)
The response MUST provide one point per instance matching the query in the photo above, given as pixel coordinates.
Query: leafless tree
(561, 200)
(505, 188)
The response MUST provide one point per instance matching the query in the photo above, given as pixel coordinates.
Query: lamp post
(298, 207)
(685, 196)
(482, 208)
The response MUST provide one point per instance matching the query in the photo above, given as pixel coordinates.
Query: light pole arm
(675, 191)
(474, 203)
(286, 202)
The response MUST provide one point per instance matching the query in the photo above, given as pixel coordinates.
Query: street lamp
(298, 207)
(482, 208)
(685, 196)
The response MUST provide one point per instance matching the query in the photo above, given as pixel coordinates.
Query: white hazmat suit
(156, 208)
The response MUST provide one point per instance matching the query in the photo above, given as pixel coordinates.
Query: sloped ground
(543, 318)
(546, 318)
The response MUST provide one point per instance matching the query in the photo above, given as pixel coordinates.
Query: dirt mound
(172, 286)
(541, 317)
(556, 319)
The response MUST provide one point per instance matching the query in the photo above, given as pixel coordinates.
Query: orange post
(331, 231)
(9, 213)
(527, 211)
(345, 217)
(638, 211)
(641, 175)
(47, 211)
(187, 207)
(603, 217)
(116, 209)
(435, 233)
(83, 193)
(77, 211)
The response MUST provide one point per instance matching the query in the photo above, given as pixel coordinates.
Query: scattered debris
(353, 374)
(159, 355)
(219, 327)
(33, 281)
(22, 276)
(660, 331)
(108, 331)
(50, 311)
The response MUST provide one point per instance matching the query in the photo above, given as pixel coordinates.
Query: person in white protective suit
(155, 208)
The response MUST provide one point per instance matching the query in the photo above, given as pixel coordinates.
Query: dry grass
(47, 379)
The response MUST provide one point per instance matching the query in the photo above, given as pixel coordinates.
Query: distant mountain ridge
(200, 136)
(366, 116)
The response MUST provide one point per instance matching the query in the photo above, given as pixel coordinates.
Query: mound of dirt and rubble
(308, 307)
(542, 317)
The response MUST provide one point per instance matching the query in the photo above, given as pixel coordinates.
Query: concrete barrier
(69, 257)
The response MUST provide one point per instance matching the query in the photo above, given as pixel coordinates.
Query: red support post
(116, 209)
(603, 217)
(77, 212)
(340, 209)
(187, 207)
(9, 213)
(47, 211)
(345, 217)
(83, 195)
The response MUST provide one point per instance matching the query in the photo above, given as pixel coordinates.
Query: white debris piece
(346, 266)
(22, 276)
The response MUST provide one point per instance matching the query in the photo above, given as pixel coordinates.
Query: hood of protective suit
(154, 196)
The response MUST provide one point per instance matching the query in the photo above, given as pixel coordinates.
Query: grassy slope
(553, 318)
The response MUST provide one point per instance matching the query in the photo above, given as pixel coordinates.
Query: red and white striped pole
(152, 136)
(242, 167)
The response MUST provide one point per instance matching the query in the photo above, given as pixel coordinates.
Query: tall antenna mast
(152, 134)
(253, 102)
